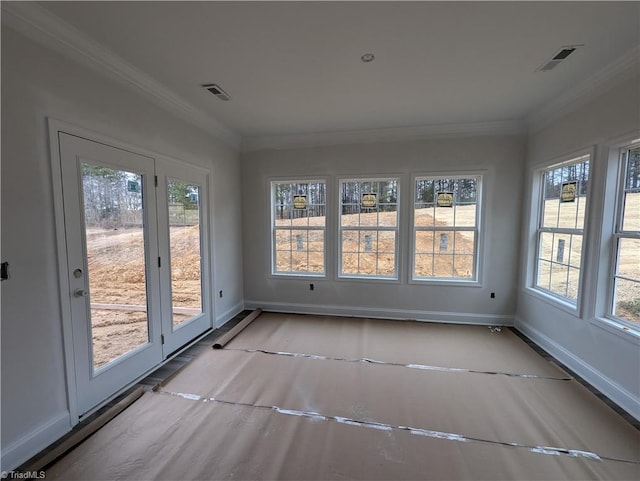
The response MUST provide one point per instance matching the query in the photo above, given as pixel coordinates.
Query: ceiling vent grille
(558, 57)
(216, 90)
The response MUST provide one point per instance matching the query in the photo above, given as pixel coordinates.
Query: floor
(310, 397)
(151, 381)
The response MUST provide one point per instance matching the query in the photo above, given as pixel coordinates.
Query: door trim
(61, 240)
(55, 127)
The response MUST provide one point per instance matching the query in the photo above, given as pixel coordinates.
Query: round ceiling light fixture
(367, 57)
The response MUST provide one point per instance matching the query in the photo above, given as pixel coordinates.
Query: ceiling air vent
(559, 56)
(217, 91)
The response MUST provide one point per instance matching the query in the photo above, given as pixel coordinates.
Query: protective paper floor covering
(451, 345)
(538, 412)
(181, 433)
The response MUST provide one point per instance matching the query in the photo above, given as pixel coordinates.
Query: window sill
(618, 329)
(444, 282)
(297, 275)
(381, 280)
(554, 301)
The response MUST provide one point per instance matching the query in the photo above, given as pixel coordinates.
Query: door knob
(80, 293)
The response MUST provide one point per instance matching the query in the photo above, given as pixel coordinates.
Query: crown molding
(320, 139)
(37, 23)
(616, 72)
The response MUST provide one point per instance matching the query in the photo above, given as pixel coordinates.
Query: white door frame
(56, 126)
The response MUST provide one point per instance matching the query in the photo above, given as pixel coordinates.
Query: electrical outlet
(220, 294)
(311, 287)
(4, 271)
(493, 295)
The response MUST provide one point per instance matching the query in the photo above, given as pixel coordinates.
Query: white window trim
(272, 273)
(612, 207)
(397, 229)
(536, 182)
(618, 329)
(618, 233)
(479, 247)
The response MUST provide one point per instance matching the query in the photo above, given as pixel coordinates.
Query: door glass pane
(114, 232)
(185, 250)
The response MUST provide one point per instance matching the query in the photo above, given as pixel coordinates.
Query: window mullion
(618, 276)
(433, 255)
(561, 230)
(568, 269)
(558, 215)
(627, 235)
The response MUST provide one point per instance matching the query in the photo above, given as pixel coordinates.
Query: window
(369, 228)
(626, 275)
(561, 228)
(298, 227)
(446, 228)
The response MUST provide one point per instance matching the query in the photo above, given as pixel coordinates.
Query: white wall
(607, 357)
(36, 84)
(501, 156)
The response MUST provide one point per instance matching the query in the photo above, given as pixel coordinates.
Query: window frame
(619, 156)
(536, 229)
(475, 281)
(273, 273)
(397, 229)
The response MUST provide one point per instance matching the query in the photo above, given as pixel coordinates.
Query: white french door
(136, 235)
(184, 241)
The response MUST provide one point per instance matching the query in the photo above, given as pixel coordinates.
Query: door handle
(80, 293)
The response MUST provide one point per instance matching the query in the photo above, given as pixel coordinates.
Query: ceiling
(295, 67)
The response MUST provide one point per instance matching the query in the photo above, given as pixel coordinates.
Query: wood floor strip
(237, 329)
(83, 433)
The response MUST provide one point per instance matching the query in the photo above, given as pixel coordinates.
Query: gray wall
(38, 83)
(604, 355)
(501, 156)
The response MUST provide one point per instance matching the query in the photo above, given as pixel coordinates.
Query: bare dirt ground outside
(372, 252)
(117, 274)
(117, 278)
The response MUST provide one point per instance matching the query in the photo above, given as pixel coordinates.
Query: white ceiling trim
(617, 71)
(504, 127)
(42, 26)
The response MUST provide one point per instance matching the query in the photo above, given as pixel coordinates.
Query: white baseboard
(611, 389)
(229, 314)
(383, 313)
(35, 441)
